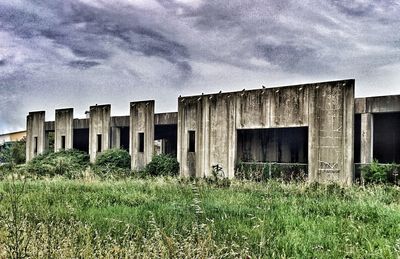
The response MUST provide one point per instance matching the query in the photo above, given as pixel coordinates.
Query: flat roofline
(270, 87)
(14, 132)
(378, 96)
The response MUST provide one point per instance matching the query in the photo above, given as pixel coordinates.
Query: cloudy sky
(77, 53)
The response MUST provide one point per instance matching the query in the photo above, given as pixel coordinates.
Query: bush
(66, 162)
(162, 165)
(14, 153)
(112, 163)
(118, 158)
(380, 173)
(262, 171)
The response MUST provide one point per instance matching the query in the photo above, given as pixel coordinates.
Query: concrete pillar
(115, 137)
(366, 138)
(63, 129)
(35, 134)
(99, 130)
(213, 120)
(141, 136)
(331, 130)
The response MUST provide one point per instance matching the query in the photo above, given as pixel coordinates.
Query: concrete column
(115, 137)
(366, 138)
(35, 134)
(63, 129)
(99, 130)
(331, 130)
(141, 122)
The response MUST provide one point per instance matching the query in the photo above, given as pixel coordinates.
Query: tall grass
(166, 217)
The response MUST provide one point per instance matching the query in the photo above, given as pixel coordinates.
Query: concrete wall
(166, 118)
(378, 104)
(35, 130)
(63, 128)
(367, 107)
(141, 121)
(331, 129)
(99, 124)
(327, 108)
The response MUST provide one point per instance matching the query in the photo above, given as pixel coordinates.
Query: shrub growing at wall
(262, 171)
(112, 163)
(68, 163)
(162, 165)
(380, 173)
(14, 153)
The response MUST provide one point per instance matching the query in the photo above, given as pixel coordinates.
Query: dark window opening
(63, 142)
(357, 138)
(141, 142)
(386, 137)
(167, 138)
(124, 138)
(281, 145)
(81, 140)
(35, 145)
(99, 144)
(192, 141)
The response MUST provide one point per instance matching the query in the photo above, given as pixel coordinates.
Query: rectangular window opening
(192, 141)
(35, 147)
(141, 142)
(63, 142)
(99, 144)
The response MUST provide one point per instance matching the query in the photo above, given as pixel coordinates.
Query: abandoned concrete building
(321, 125)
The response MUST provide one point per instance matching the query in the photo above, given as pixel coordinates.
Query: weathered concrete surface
(378, 104)
(115, 137)
(35, 134)
(63, 128)
(366, 138)
(49, 125)
(331, 129)
(99, 124)
(327, 108)
(141, 121)
(81, 123)
(120, 121)
(166, 118)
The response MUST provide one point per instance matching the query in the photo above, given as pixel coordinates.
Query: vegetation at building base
(256, 171)
(14, 152)
(162, 165)
(169, 217)
(69, 163)
(115, 213)
(381, 173)
(113, 163)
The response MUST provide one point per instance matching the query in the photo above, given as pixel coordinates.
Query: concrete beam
(99, 130)
(366, 138)
(35, 134)
(63, 137)
(378, 104)
(141, 139)
(167, 118)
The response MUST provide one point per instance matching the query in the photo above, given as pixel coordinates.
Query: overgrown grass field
(167, 217)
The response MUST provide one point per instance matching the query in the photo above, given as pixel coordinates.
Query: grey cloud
(289, 56)
(83, 64)
(59, 46)
(354, 8)
(98, 27)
